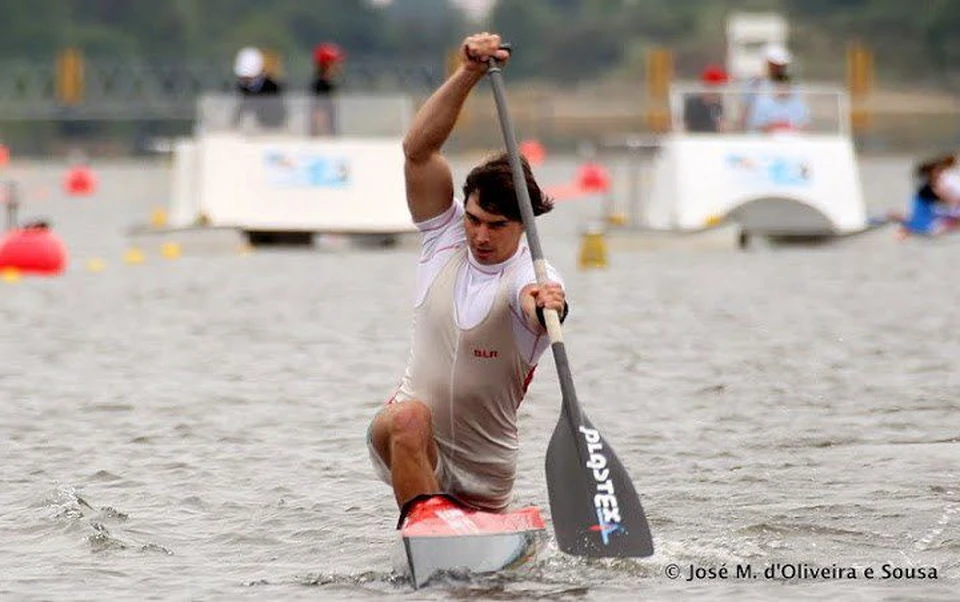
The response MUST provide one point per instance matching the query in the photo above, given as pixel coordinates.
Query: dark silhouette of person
(327, 61)
(703, 113)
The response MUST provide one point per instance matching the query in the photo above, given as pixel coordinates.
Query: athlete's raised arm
(429, 180)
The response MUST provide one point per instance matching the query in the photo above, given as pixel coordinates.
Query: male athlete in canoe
(451, 426)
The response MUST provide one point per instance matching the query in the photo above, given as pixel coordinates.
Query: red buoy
(33, 249)
(533, 151)
(79, 181)
(593, 178)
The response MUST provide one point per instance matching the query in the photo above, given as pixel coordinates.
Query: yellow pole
(659, 72)
(70, 76)
(593, 249)
(860, 83)
(273, 63)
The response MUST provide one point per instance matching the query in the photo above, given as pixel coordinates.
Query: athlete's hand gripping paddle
(596, 511)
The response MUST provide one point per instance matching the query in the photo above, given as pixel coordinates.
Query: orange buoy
(33, 249)
(79, 181)
(593, 178)
(533, 151)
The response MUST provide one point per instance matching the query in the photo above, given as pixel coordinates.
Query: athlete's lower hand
(549, 295)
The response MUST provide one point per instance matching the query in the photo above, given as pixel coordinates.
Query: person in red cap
(327, 61)
(704, 112)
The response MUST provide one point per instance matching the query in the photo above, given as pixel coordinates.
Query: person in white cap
(253, 84)
(780, 110)
(252, 78)
(778, 61)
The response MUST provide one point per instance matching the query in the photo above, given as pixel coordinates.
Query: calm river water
(194, 428)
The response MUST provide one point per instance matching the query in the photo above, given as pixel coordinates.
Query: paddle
(596, 511)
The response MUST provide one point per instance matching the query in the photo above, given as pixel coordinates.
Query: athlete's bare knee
(404, 430)
(411, 424)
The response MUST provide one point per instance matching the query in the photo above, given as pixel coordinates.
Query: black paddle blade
(596, 511)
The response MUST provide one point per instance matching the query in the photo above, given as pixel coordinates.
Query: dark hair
(493, 183)
(925, 169)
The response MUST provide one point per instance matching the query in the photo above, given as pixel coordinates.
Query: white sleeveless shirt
(472, 357)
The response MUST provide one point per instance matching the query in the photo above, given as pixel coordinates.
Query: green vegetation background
(558, 40)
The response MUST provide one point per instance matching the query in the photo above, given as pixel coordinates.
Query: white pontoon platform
(282, 169)
(737, 182)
